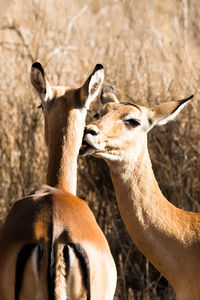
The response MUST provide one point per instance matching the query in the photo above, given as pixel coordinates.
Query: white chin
(106, 156)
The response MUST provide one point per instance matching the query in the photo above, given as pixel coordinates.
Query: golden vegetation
(150, 51)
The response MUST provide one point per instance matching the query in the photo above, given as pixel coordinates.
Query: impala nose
(90, 130)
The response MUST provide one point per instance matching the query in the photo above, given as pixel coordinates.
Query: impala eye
(96, 116)
(132, 122)
(40, 106)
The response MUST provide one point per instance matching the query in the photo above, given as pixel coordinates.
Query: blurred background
(151, 53)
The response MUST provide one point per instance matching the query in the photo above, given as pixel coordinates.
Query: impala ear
(40, 82)
(108, 95)
(163, 113)
(92, 86)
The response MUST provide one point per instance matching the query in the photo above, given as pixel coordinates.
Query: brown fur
(168, 236)
(51, 218)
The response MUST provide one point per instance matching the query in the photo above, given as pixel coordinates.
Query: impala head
(58, 101)
(120, 134)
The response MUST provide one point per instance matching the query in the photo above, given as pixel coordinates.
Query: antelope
(168, 236)
(50, 244)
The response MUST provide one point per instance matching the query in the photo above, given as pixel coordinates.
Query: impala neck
(152, 221)
(64, 150)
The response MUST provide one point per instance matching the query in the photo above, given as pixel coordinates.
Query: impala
(168, 236)
(50, 244)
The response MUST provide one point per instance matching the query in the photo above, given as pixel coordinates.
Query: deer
(169, 237)
(51, 246)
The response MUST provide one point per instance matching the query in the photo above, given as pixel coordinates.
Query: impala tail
(67, 272)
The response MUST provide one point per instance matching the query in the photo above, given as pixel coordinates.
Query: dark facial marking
(129, 103)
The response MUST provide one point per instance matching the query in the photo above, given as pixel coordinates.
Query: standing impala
(168, 236)
(51, 247)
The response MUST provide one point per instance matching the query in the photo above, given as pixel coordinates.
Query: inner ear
(40, 83)
(38, 79)
(108, 95)
(163, 113)
(91, 87)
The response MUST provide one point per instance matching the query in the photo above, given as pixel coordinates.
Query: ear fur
(92, 86)
(108, 95)
(40, 82)
(163, 113)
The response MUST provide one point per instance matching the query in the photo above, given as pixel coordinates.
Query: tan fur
(51, 218)
(168, 236)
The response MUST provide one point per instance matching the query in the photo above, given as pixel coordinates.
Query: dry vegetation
(150, 51)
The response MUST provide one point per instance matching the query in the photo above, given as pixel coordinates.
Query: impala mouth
(88, 147)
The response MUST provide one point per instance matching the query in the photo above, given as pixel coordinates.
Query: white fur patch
(35, 271)
(49, 92)
(94, 86)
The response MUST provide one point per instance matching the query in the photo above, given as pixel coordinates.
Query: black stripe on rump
(77, 98)
(84, 264)
(51, 260)
(22, 260)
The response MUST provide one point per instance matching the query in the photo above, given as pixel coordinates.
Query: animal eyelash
(132, 122)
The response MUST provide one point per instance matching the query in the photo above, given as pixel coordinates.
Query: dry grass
(150, 51)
